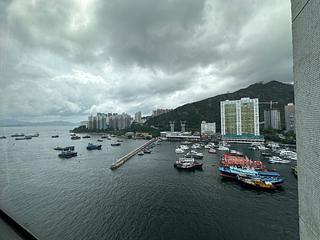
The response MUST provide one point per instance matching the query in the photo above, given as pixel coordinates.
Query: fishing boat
(114, 144)
(255, 182)
(18, 135)
(184, 147)
(275, 159)
(233, 166)
(212, 150)
(194, 154)
(223, 148)
(93, 147)
(179, 151)
(69, 148)
(23, 138)
(196, 164)
(67, 154)
(75, 137)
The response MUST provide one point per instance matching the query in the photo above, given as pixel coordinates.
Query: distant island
(18, 123)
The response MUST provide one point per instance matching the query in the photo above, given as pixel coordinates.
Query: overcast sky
(66, 59)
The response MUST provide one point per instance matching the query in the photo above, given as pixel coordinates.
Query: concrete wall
(306, 65)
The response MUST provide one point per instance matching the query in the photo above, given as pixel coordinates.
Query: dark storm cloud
(69, 58)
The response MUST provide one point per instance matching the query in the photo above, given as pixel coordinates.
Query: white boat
(212, 150)
(276, 159)
(196, 146)
(288, 154)
(179, 151)
(184, 147)
(223, 148)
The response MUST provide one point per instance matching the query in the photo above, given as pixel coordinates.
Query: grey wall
(306, 65)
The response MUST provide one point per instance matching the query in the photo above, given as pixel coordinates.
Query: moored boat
(75, 137)
(92, 146)
(179, 151)
(255, 182)
(18, 135)
(3, 137)
(212, 150)
(69, 148)
(194, 154)
(86, 136)
(196, 164)
(100, 140)
(114, 144)
(146, 150)
(67, 154)
(140, 153)
(275, 159)
(23, 138)
(55, 136)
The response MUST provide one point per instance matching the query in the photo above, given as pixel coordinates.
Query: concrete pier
(126, 157)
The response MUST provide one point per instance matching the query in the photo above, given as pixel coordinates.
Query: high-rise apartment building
(289, 113)
(306, 72)
(272, 119)
(137, 117)
(240, 117)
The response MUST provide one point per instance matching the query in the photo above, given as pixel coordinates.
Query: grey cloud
(68, 58)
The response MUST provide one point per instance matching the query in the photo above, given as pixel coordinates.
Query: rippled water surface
(81, 198)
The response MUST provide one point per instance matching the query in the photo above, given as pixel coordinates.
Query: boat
(86, 136)
(104, 136)
(194, 154)
(184, 165)
(69, 148)
(186, 142)
(67, 154)
(115, 144)
(196, 164)
(223, 148)
(184, 147)
(109, 138)
(179, 151)
(212, 150)
(196, 146)
(93, 147)
(140, 153)
(34, 135)
(75, 137)
(18, 135)
(112, 135)
(3, 137)
(288, 154)
(55, 136)
(23, 138)
(119, 140)
(236, 153)
(233, 166)
(100, 140)
(275, 159)
(146, 150)
(255, 182)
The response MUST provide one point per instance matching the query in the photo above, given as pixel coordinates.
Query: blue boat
(233, 172)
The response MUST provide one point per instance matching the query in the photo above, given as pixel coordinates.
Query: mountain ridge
(209, 109)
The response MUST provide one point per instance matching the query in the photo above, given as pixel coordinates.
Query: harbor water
(146, 198)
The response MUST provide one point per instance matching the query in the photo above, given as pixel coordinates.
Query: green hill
(209, 109)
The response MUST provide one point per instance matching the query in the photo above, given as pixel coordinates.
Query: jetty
(126, 157)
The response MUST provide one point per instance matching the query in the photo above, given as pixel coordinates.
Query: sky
(67, 59)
